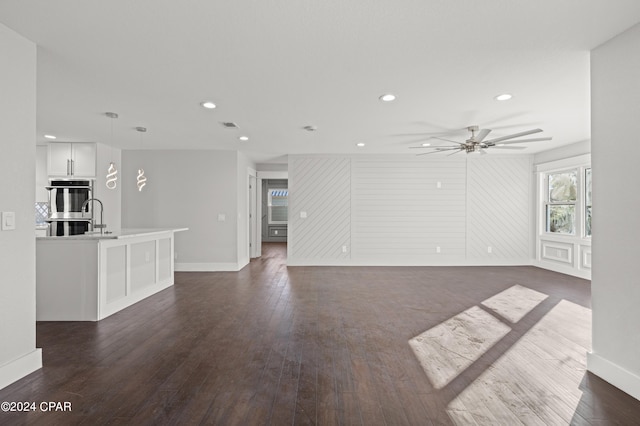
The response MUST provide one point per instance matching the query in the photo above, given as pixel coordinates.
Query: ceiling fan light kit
(477, 143)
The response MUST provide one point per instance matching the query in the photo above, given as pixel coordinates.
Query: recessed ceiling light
(49, 136)
(207, 104)
(426, 144)
(503, 97)
(360, 144)
(244, 138)
(387, 98)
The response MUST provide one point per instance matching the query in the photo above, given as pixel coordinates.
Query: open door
(254, 217)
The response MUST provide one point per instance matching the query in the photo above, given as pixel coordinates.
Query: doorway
(275, 210)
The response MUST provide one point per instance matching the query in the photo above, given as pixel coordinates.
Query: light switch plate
(8, 221)
(221, 217)
(303, 215)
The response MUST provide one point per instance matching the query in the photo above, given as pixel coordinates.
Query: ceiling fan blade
(509, 147)
(527, 140)
(453, 153)
(515, 135)
(440, 150)
(433, 147)
(446, 140)
(483, 134)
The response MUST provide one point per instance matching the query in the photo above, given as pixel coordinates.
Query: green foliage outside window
(561, 209)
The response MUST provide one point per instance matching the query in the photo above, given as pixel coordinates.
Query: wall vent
(229, 124)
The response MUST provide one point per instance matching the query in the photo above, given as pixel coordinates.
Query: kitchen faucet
(102, 225)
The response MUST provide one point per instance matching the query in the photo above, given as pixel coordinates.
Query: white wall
(187, 189)
(398, 210)
(615, 94)
(562, 152)
(18, 353)
(42, 180)
(499, 210)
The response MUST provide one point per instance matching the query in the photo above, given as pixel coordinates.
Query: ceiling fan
(477, 142)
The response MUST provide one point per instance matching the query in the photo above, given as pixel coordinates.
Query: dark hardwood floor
(332, 345)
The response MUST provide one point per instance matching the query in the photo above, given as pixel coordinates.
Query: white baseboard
(568, 270)
(18, 368)
(207, 267)
(441, 261)
(614, 374)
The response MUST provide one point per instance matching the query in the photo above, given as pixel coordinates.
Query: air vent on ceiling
(229, 125)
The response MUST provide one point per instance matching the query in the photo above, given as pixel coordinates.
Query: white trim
(386, 262)
(614, 374)
(580, 160)
(21, 367)
(258, 248)
(210, 267)
(273, 175)
(567, 270)
(578, 241)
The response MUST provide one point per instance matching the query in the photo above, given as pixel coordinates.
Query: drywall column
(18, 353)
(615, 94)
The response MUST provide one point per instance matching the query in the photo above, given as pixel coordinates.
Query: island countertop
(89, 277)
(116, 234)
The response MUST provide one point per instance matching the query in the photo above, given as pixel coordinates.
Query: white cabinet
(76, 159)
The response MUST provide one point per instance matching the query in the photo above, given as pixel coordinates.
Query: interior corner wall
(18, 353)
(408, 210)
(615, 97)
(196, 189)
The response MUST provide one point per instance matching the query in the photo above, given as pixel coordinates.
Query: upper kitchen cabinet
(77, 159)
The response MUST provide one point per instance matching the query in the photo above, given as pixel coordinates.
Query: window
(560, 205)
(278, 206)
(587, 202)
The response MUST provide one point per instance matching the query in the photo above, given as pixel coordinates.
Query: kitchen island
(91, 276)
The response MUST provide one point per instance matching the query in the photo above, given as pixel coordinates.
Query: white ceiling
(276, 66)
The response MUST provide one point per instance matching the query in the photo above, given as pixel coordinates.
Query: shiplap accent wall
(398, 210)
(498, 208)
(400, 215)
(321, 188)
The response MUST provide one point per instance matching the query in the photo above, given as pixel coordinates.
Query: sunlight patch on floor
(515, 302)
(536, 381)
(447, 349)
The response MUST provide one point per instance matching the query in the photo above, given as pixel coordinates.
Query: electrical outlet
(489, 249)
(438, 185)
(344, 249)
(438, 249)
(175, 255)
(147, 256)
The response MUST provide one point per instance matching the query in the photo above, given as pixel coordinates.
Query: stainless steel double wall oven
(66, 197)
